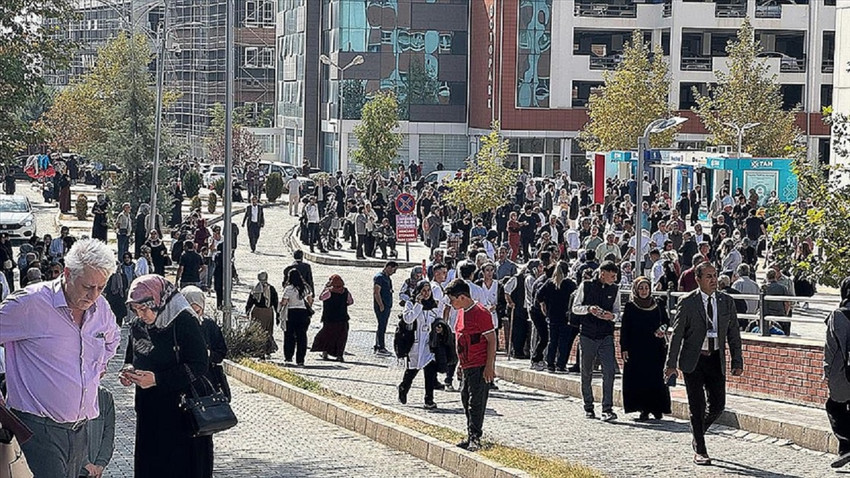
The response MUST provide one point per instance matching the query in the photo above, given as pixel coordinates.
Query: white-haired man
(59, 335)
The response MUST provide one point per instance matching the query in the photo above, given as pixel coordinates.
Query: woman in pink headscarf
(165, 347)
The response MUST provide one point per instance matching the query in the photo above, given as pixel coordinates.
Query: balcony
(787, 63)
(668, 8)
(730, 10)
(769, 10)
(609, 62)
(599, 9)
(696, 63)
(827, 65)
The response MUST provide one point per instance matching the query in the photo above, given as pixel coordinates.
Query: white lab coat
(420, 354)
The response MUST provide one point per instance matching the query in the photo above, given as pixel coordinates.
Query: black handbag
(205, 414)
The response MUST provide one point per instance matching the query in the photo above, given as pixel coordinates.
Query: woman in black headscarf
(262, 307)
(644, 350)
(420, 313)
(139, 229)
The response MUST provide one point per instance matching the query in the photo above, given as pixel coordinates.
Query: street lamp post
(161, 39)
(657, 126)
(357, 60)
(740, 130)
(227, 250)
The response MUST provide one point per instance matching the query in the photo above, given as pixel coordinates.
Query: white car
(215, 172)
(16, 217)
(439, 176)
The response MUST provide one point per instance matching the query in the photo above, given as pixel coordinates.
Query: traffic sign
(405, 203)
(405, 230)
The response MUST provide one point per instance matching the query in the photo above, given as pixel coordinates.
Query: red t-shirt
(471, 326)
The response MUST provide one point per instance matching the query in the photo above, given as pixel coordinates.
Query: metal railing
(730, 10)
(604, 62)
(768, 11)
(827, 65)
(764, 321)
(792, 65)
(696, 63)
(599, 9)
(668, 8)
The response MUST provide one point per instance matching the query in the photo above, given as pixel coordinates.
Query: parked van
(439, 176)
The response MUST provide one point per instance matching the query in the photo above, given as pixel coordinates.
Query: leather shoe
(701, 460)
(841, 461)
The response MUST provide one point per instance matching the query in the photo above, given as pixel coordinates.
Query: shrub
(212, 202)
(82, 207)
(245, 342)
(218, 186)
(196, 203)
(274, 187)
(191, 183)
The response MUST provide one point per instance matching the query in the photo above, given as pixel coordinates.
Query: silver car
(16, 217)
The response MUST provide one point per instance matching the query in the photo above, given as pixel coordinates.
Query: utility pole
(227, 250)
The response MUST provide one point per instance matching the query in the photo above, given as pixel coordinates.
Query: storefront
(767, 176)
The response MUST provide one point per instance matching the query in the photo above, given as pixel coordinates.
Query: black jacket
(260, 218)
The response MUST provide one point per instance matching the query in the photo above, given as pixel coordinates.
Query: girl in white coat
(421, 310)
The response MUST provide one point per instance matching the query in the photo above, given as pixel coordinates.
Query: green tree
(246, 148)
(823, 214)
(353, 98)
(274, 187)
(26, 50)
(634, 94)
(748, 93)
(191, 183)
(377, 140)
(486, 182)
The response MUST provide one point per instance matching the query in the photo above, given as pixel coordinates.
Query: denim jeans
(383, 320)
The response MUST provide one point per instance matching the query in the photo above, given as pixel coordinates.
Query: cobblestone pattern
(274, 439)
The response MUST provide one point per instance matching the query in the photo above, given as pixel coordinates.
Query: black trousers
(253, 234)
(519, 332)
(360, 244)
(542, 328)
(474, 391)
(313, 235)
(526, 248)
(706, 381)
(839, 419)
(430, 380)
(295, 337)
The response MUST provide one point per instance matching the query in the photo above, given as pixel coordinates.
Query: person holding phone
(420, 312)
(644, 349)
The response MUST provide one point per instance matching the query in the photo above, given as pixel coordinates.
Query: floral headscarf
(159, 295)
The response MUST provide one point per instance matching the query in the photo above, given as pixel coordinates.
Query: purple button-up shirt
(53, 367)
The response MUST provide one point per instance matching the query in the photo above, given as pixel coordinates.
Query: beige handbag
(13, 464)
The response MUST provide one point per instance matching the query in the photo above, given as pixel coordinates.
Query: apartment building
(535, 63)
(419, 49)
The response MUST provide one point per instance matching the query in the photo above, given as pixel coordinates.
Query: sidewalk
(554, 424)
(273, 439)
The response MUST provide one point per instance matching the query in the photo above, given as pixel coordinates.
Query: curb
(340, 261)
(813, 438)
(431, 450)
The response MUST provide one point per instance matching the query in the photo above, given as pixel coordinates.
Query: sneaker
(439, 386)
(841, 461)
(574, 369)
(644, 416)
(384, 352)
(402, 395)
(430, 406)
(464, 444)
(550, 368)
(608, 416)
(449, 388)
(474, 445)
(657, 416)
(561, 370)
(493, 386)
(538, 366)
(590, 414)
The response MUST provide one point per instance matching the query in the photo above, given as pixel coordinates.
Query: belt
(73, 426)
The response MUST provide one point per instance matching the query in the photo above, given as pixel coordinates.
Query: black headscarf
(429, 303)
(845, 292)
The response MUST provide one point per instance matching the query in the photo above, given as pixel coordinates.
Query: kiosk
(767, 176)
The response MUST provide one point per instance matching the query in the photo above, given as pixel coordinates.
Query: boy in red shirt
(476, 351)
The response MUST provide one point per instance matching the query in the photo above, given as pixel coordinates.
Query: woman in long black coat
(140, 234)
(100, 225)
(159, 253)
(644, 350)
(161, 372)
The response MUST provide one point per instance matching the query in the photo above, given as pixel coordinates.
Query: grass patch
(532, 463)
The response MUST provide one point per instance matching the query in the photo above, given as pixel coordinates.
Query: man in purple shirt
(59, 336)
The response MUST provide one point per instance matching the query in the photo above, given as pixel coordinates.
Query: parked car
(16, 217)
(287, 171)
(787, 63)
(217, 171)
(439, 176)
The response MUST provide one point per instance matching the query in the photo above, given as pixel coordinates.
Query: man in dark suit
(694, 199)
(302, 267)
(255, 220)
(705, 321)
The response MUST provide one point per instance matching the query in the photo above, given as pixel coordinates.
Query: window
(251, 11)
(825, 96)
(251, 59)
(266, 59)
(268, 13)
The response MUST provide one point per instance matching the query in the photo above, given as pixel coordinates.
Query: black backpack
(403, 338)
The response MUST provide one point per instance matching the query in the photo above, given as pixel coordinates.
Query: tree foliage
(822, 215)
(486, 182)
(26, 50)
(634, 94)
(191, 183)
(377, 139)
(748, 93)
(274, 187)
(246, 148)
